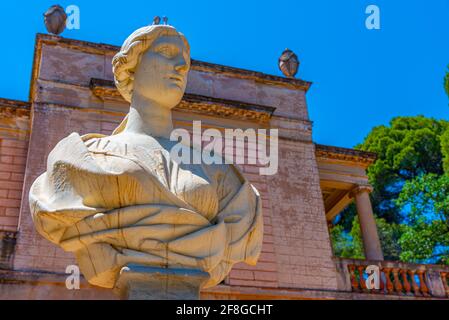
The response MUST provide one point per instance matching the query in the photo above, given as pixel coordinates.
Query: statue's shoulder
(69, 145)
(81, 148)
(123, 144)
(75, 145)
(225, 174)
(76, 140)
(96, 153)
(71, 152)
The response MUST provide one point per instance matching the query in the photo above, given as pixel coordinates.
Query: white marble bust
(120, 199)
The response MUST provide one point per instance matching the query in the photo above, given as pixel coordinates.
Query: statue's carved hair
(127, 59)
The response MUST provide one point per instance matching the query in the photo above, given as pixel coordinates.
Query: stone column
(139, 282)
(371, 242)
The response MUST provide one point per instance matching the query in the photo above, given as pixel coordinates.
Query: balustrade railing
(394, 278)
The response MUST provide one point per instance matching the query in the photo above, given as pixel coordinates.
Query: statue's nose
(182, 66)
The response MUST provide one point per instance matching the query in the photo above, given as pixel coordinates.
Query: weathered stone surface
(7, 248)
(137, 282)
(56, 67)
(227, 84)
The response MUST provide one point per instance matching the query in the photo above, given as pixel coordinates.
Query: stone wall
(14, 132)
(12, 168)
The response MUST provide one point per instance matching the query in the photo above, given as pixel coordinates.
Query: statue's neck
(148, 117)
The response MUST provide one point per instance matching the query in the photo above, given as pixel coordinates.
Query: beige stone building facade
(72, 90)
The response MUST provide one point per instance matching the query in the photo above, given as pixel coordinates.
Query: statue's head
(153, 63)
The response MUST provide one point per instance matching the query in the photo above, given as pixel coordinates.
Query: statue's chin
(170, 97)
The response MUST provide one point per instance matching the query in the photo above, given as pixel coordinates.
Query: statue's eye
(167, 51)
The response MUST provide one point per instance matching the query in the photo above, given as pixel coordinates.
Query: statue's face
(161, 75)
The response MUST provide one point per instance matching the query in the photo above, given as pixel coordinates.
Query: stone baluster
(444, 278)
(389, 284)
(382, 287)
(422, 282)
(354, 282)
(397, 281)
(414, 284)
(405, 283)
(361, 270)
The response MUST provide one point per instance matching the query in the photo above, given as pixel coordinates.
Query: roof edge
(101, 48)
(345, 154)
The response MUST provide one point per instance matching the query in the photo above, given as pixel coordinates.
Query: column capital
(360, 189)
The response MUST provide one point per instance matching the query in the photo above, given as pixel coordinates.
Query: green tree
(344, 244)
(411, 192)
(445, 137)
(445, 149)
(426, 235)
(350, 244)
(409, 147)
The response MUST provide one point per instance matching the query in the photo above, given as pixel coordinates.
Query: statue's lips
(177, 79)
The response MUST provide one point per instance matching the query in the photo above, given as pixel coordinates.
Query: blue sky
(361, 78)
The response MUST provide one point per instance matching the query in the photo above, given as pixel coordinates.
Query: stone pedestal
(139, 282)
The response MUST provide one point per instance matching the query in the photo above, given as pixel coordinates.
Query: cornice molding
(101, 48)
(344, 154)
(106, 90)
(360, 189)
(14, 108)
